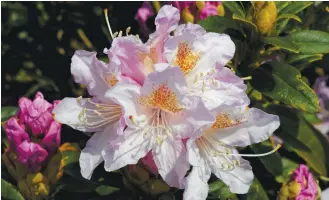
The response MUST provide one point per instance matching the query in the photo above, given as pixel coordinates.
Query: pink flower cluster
(33, 134)
(309, 187)
(191, 11)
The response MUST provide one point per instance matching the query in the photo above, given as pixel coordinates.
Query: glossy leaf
(219, 24)
(271, 162)
(293, 8)
(289, 16)
(235, 8)
(8, 191)
(104, 190)
(281, 5)
(7, 112)
(284, 83)
(282, 42)
(295, 128)
(311, 41)
(220, 190)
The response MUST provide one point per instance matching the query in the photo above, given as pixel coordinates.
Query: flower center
(223, 121)
(112, 80)
(163, 98)
(186, 59)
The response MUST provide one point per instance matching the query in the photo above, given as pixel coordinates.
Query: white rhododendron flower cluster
(171, 99)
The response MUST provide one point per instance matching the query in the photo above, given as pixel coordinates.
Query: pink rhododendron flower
(214, 149)
(98, 114)
(173, 104)
(32, 122)
(157, 115)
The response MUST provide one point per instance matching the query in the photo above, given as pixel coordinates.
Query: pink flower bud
(210, 9)
(15, 133)
(149, 163)
(36, 114)
(32, 155)
(144, 12)
(52, 138)
(309, 187)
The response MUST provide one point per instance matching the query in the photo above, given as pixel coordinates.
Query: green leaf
(284, 83)
(271, 162)
(104, 190)
(311, 41)
(288, 167)
(294, 125)
(257, 191)
(220, 190)
(281, 5)
(303, 61)
(288, 126)
(7, 112)
(235, 8)
(8, 191)
(293, 8)
(289, 16)
(282, 42)
(219, 24)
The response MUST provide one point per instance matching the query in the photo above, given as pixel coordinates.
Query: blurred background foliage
(39, 39)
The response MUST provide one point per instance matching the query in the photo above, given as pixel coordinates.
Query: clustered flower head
(32, 133)
(169, 102)
(301, 186)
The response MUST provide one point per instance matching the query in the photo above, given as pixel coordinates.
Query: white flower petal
(258, 127)
(68, 111)
(170, 158)
(195, 29)
(195, 187)
(85, 68)
(239, 179)
(91, 156)
(135, 146)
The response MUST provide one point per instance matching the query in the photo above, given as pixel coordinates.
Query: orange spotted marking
(185, 58)
(163, 98)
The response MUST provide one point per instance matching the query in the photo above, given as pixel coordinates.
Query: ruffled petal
(193, 120)
(135, 146)
(170, 158)
(52, 138)
(86, 70)
(255, 126)
(131, 53)
(199, 55)
(91, 155)
(196, 29)
(166, 21)
(15, 133)
(195, 187)
(32, 155)
(239, 179)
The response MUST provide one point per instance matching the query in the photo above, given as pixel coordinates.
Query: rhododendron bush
(197, 100)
